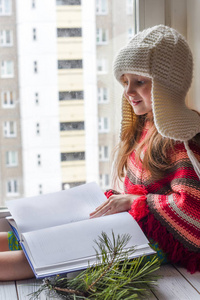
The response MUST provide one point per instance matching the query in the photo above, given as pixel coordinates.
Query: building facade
(11, 165)
(60, 104)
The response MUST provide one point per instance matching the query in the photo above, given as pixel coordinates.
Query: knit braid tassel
(175, 251)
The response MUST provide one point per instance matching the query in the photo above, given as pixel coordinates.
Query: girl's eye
(125, 82)
(140, 82)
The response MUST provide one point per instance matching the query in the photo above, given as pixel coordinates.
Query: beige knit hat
(162, 54)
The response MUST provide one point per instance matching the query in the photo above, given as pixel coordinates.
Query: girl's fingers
(103, 204)
(100, 207)
(100, 212)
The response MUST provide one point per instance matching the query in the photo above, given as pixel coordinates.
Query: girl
(158, 156)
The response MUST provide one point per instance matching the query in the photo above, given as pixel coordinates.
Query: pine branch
(113, 277)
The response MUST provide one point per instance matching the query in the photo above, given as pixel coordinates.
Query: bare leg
(4, 241)
(14, 266)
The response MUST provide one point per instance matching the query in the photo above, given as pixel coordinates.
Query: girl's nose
(130, 91)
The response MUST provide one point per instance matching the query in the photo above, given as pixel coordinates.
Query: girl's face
(137, 90)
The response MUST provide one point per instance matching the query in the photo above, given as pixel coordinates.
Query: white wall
(90, 89)
(43, 50)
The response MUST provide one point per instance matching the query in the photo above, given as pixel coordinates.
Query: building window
(101, 66)
(73, 95)
(37, 128)
(35, 67)
(102, 95)
(6, 38)
(39, 160)
(70, 64)
(71, 156)
(101, 36)
(9, 129)
(7, 99)
(68, 126)
(129, 7)
(69, 32)
(68, 185)
(101, 7)
(11, 158)
(104, 181)
(12, 187)
(33, 3)
(5, 7)
(130, 33)
(68, 2)
(36, 98)
(103, 153)
(34, 34)
(40, 189)
(103, 124)
(7, 69)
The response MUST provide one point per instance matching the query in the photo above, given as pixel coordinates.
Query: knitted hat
(163, 55)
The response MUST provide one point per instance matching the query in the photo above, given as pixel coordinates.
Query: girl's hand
(113, 205)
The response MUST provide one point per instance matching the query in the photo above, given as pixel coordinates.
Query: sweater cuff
(109, 193)
(139, 208)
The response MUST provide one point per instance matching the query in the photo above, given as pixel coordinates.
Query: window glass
(5, 7)
(60, 103)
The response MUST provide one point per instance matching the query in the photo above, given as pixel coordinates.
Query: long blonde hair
(156, 157)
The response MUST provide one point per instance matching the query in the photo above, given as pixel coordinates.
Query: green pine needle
(113, 277)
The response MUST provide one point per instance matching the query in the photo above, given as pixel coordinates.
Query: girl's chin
(139, 111)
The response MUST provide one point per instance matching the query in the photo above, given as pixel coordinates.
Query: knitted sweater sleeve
(171, 214)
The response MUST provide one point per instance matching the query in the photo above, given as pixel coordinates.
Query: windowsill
(102, 43)
(12, 195)
(7, 76)
(4, 212)
(103, 102)
(5, 15)
(104, 131)
(101, 13)
(6, 46)
(8, 106)
(11, 166)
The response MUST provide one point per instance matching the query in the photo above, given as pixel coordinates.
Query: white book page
(56, 208)
(67, 243)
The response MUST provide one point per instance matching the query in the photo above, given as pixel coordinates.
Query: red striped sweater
(169, 209)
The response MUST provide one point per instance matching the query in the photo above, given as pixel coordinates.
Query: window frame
(102, 156)
(99, 6)
(9, 158)
(101, 91)
(14, 184)
(9, 105)
(5, 67)
(3, 38)
(102, 63)
(101, 124)
(7, 128)
(103, 179)
(3, 8)
(101, 36)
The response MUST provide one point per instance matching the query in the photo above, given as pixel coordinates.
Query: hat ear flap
(128, 118)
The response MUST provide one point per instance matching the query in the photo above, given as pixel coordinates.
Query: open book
(56, 234)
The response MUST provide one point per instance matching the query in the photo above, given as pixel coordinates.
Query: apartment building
(71, 92)
(60, 104)
(11, 171)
